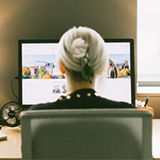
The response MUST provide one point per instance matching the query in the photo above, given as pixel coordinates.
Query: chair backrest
(87, 134)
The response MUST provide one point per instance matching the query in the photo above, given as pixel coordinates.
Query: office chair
(87, 134)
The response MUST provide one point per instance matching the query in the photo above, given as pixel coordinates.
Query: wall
(49, 19)
(154, 101)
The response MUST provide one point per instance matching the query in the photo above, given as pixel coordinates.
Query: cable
(15, 77)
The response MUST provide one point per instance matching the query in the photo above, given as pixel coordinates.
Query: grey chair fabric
(87, 134)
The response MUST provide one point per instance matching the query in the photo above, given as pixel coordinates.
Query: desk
(11, 148)
(156, 139)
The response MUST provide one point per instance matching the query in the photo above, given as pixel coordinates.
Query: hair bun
(79, 47)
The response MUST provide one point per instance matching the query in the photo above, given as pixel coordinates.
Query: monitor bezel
(20, 42)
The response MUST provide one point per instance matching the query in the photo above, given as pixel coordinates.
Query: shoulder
(64, 102)
(115, 104)
(53, 105)
(85, 98)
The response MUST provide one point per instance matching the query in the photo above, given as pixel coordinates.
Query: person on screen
(56, 89)
(112, 73)
(83, 59)
(126, 65)
(64, 89)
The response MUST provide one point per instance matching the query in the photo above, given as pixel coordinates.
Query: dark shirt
(127, 66)
(81, 99)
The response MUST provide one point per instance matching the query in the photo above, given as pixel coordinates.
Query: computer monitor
(41, 82)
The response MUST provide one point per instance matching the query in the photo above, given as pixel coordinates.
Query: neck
(73, 86)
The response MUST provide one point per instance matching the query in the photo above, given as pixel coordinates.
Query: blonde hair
(75, 43)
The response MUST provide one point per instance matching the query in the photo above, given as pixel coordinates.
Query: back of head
(75, 44)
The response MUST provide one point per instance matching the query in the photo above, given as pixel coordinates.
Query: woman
(83, 58)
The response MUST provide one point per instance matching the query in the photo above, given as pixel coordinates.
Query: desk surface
(11, 148)
(156, 139)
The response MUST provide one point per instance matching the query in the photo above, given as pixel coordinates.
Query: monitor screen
(41, 82)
